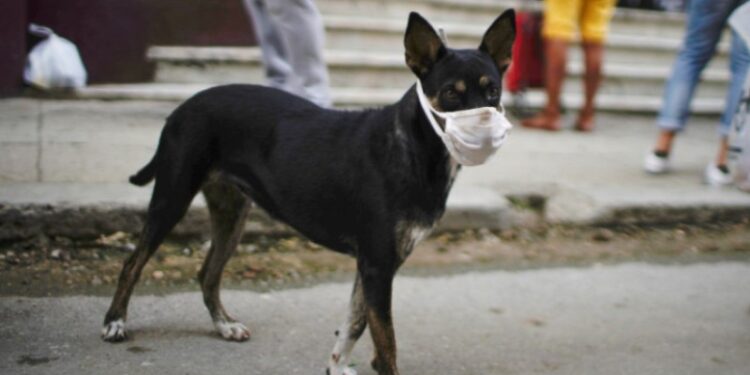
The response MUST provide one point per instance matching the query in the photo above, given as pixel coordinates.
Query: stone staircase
(110, 131)
(364, 52)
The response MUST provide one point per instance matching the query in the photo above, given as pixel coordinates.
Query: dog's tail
(145, 175)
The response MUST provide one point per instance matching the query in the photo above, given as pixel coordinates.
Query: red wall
(113, 35)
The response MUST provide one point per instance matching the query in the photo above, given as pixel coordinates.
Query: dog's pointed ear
(499, 37)
(423, 45)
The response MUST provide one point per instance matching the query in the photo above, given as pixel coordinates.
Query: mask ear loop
(428, 110)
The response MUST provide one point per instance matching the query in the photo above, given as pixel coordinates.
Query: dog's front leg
(377, 285)
(349, 332)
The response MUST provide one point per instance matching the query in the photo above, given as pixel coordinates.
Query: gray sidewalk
(65, 165)
(625, 319)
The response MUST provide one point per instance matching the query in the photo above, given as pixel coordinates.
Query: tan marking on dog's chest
(408, 235)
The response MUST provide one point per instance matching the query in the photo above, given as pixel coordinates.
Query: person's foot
(544, 120)
(585, 122)
(717, 175)
(656, 162)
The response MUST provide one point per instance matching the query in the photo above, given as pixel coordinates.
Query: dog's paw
(114, 331)
(233, 331)
(341, 371)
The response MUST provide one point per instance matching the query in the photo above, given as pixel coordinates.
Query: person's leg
(593, 56)
(559, 29)
(301, 27)
(274, 50)
(739, 62)
(717, 173)
(594, 27)
(706, 20)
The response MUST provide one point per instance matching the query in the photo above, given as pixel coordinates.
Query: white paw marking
(114, 331)
(232, 331)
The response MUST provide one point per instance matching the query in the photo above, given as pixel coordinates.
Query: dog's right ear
(423, 45)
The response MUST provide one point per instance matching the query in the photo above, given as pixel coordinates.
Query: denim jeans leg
(706, 20)
(739, 62)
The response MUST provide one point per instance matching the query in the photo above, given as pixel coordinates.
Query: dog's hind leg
(228, 208)
(349, 332)
(168, 205)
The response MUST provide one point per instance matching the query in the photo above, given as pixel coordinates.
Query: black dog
(368, 183)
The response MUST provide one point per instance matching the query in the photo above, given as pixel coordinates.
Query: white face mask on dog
(471, 136)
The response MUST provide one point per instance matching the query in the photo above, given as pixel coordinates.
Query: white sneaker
(656, 164)
(716, 177)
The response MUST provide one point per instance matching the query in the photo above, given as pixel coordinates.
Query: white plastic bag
(54, 63)
(740, 133)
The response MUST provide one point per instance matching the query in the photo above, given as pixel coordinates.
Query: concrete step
(80, 154)
(177, 92)
(366, 97)
(111, 131)
(483, 12)
(386, 34)
(387, 70)
(88, 210)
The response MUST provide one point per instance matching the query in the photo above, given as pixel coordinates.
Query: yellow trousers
(591, 16)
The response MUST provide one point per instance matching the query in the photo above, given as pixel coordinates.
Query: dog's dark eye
(450, 94)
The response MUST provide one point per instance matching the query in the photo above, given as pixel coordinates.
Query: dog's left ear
(499, 37)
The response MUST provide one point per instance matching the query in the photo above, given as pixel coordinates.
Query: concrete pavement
(65, 164)
(625, 319)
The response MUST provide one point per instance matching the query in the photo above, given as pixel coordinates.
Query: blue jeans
(705, 23)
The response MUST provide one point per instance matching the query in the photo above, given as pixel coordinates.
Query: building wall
(113, 35)
(12, 45)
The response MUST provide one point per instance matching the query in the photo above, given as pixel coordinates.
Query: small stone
(96, 281)
(679, 234)
(508, 235)
(250, 248)
(112, 239)
(56, 254)
(157, 275)
(603, 235)
(536, 322)
(129, 247)
(187, 251)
